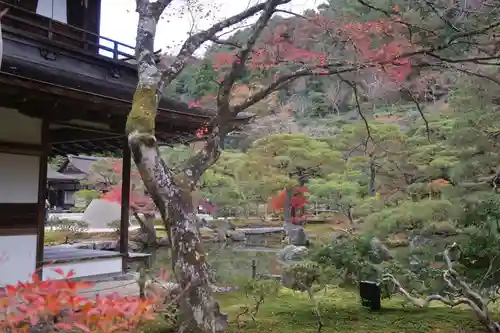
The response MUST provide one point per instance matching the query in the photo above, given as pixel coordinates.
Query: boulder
(418, 241)
(297, 237)
(292, 252)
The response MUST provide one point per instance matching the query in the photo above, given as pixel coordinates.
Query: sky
(119, 19)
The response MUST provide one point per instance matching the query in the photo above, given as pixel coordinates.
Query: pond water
(230, 263)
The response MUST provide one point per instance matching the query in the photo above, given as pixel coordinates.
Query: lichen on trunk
(142, 116)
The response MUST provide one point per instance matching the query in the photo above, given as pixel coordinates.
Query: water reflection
(230, 262)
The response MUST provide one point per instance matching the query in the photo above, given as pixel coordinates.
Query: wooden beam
(42, 193)
(125, 209)
(21, 148)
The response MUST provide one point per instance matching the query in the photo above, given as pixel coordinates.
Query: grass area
(341, 312)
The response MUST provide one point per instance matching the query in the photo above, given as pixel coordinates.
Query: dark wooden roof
(50, 71)
(79, 165)
(54, 176)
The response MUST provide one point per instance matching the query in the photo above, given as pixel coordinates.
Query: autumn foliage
(380, 46)
(112, 170)
(58, 305)
(137, 201)
(297, 202)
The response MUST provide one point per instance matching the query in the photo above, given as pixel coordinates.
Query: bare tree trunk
(197, 304)
(174, 191)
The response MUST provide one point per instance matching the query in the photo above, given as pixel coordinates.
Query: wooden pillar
(42, 194)
(125, 209)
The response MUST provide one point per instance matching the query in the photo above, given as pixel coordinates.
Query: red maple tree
(380, 46)
(108, 172)
(297, 203)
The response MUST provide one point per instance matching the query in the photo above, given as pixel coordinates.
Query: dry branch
(465, 294)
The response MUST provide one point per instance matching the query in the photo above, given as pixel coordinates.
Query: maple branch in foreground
(467, 296)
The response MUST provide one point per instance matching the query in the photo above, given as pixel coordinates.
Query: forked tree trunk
(173, 191)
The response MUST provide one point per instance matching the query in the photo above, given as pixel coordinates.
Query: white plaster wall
(17, 258)
(85, 268)
(18, 178)
(54, 9)
(16, 127)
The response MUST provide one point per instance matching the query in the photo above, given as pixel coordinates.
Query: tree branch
(225, 42)
(195, 41)
(467, 296)
(358, 108)
(420, 111)
(447, 22)
(237, 67)
(283, 80)
(196, 165)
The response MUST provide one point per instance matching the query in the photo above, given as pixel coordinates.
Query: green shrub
(84, 198)
(411, 215)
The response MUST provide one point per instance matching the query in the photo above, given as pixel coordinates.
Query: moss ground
(341, 312)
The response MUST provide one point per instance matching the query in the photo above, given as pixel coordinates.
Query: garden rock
(297, 237)
(419, 241)
(292, 252)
